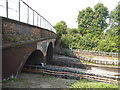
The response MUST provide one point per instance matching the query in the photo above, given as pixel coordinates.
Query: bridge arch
(49, 54)
(36, 57)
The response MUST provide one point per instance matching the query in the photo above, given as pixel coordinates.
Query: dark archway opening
(49, 55)
(36, 57)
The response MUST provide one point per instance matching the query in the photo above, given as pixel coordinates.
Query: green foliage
(61, 28)
(109, 44)
(66, 40)
(111, 41)
(90, 32)
(93, 21)
(84, 20)
(100, 16)
(92, 85)
(115, 14)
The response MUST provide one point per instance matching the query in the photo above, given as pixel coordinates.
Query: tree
(113, 34)
(93, 21)
(84, 20)
(61, 28)
(72, 30)
(100, 15)
(89, 35)
(110, 42)
(114, 15)
(66, 40)
(115, 20)
(91, 24)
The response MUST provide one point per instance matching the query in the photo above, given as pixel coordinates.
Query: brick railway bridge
(28, 39)
(24, 41)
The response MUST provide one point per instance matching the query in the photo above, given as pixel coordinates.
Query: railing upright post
(40, 21)
(19, 10)
(28, 16)
(7, 8)
(37, 19)
(33, 17)
(45, 23)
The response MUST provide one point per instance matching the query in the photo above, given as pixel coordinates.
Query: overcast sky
(67, 10)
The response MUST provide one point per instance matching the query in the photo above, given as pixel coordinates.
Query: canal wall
(77, 53)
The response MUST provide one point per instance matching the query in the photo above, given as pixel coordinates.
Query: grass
(76, 81)
(91, 84)
(49, 77)
(13, 80)
(91, 56)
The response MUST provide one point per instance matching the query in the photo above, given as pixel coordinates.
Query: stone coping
(100, 61)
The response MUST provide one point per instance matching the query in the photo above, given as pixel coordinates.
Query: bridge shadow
(66, 57)
(36, 57)
(49, 55)
(55, 56)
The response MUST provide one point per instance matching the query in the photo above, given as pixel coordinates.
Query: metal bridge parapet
(21, 11)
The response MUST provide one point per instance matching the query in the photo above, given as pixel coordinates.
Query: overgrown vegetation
(94, 32)
(91, 84)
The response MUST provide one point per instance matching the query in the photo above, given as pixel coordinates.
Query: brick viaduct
(24, 44)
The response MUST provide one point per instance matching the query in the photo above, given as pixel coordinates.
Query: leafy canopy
(90, 33)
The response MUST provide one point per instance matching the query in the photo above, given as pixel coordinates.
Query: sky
(67, 10)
